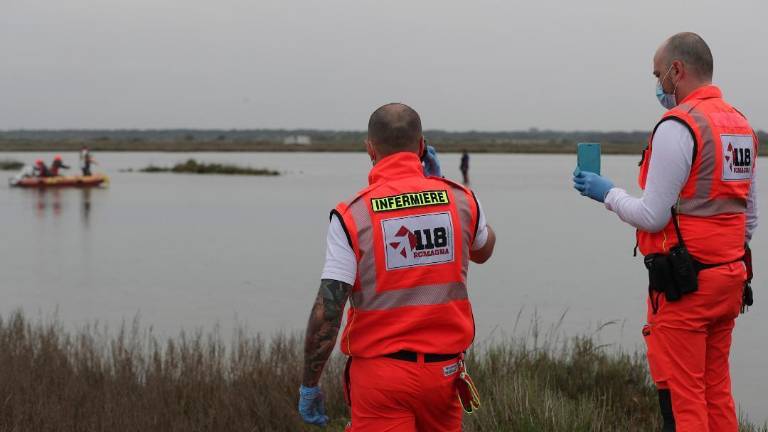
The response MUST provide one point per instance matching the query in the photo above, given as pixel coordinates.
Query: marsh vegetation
(54, 379)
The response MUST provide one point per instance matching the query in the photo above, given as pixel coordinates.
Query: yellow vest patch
(410, 200)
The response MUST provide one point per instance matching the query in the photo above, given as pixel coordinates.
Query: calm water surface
(186, 251)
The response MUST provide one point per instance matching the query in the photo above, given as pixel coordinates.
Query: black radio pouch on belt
(747, 298)
(674, 274)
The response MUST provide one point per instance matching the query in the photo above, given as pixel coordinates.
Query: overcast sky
(326, 64)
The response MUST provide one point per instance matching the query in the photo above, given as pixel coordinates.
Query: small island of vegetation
(191, 166)
(10, 165)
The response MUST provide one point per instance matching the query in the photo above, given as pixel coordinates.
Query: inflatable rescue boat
(60, 181)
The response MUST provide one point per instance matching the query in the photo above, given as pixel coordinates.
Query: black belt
(699, 266)
(411, 356)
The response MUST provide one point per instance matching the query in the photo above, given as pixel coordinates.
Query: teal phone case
(588, 157)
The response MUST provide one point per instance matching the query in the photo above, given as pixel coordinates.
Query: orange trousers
(689, 342)
(388, 395)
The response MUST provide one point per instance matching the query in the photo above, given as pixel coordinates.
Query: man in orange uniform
(399, 250)
(697, 212)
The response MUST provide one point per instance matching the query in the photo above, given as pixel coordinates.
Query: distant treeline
(528, 141)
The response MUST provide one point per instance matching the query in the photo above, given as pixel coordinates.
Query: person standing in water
(465, 167)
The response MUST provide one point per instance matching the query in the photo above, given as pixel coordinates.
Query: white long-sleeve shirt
(671, 161)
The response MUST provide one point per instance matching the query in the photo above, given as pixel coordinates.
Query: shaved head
(395, 127)
(691, 49)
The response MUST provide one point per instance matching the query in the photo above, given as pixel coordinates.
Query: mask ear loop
(674, 89)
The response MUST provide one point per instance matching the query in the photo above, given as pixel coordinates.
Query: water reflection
(85, 207)
(48, 199)
(56, 201)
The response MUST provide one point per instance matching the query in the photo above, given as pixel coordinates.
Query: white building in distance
(303, 140)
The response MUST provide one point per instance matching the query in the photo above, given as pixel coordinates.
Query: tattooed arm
(323, 328)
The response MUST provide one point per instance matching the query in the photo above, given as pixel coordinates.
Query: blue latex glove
(312, 406)
(591, 185)
(431, 164)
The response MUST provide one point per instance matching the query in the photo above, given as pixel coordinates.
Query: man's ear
(679, 66)
(371, 152)
(422, 147)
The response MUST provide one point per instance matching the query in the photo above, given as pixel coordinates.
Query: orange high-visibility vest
(411, 236)
(712, 204)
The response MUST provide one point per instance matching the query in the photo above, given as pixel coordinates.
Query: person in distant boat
(56, 166)
(40, 170)
(465, 167)
(86, 160)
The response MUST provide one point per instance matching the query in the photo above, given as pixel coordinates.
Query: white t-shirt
(671, 160)
(340, 262)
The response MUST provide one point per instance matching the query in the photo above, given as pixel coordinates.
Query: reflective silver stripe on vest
(366, 265)
(367, 299)
(464, 208)
(418, 296)
(712, 207)
(701, 204)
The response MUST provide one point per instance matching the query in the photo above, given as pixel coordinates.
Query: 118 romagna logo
(738, 157)
(418, 240)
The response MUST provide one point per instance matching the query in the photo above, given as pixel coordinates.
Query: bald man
(399, 250)
(697, 213)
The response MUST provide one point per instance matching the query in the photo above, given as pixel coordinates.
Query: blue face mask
(666, 100)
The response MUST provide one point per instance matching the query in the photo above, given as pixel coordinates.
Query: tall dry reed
(92, 380)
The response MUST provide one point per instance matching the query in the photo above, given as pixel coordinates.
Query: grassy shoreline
(317, 140)
(521, 147)
(91, 379)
